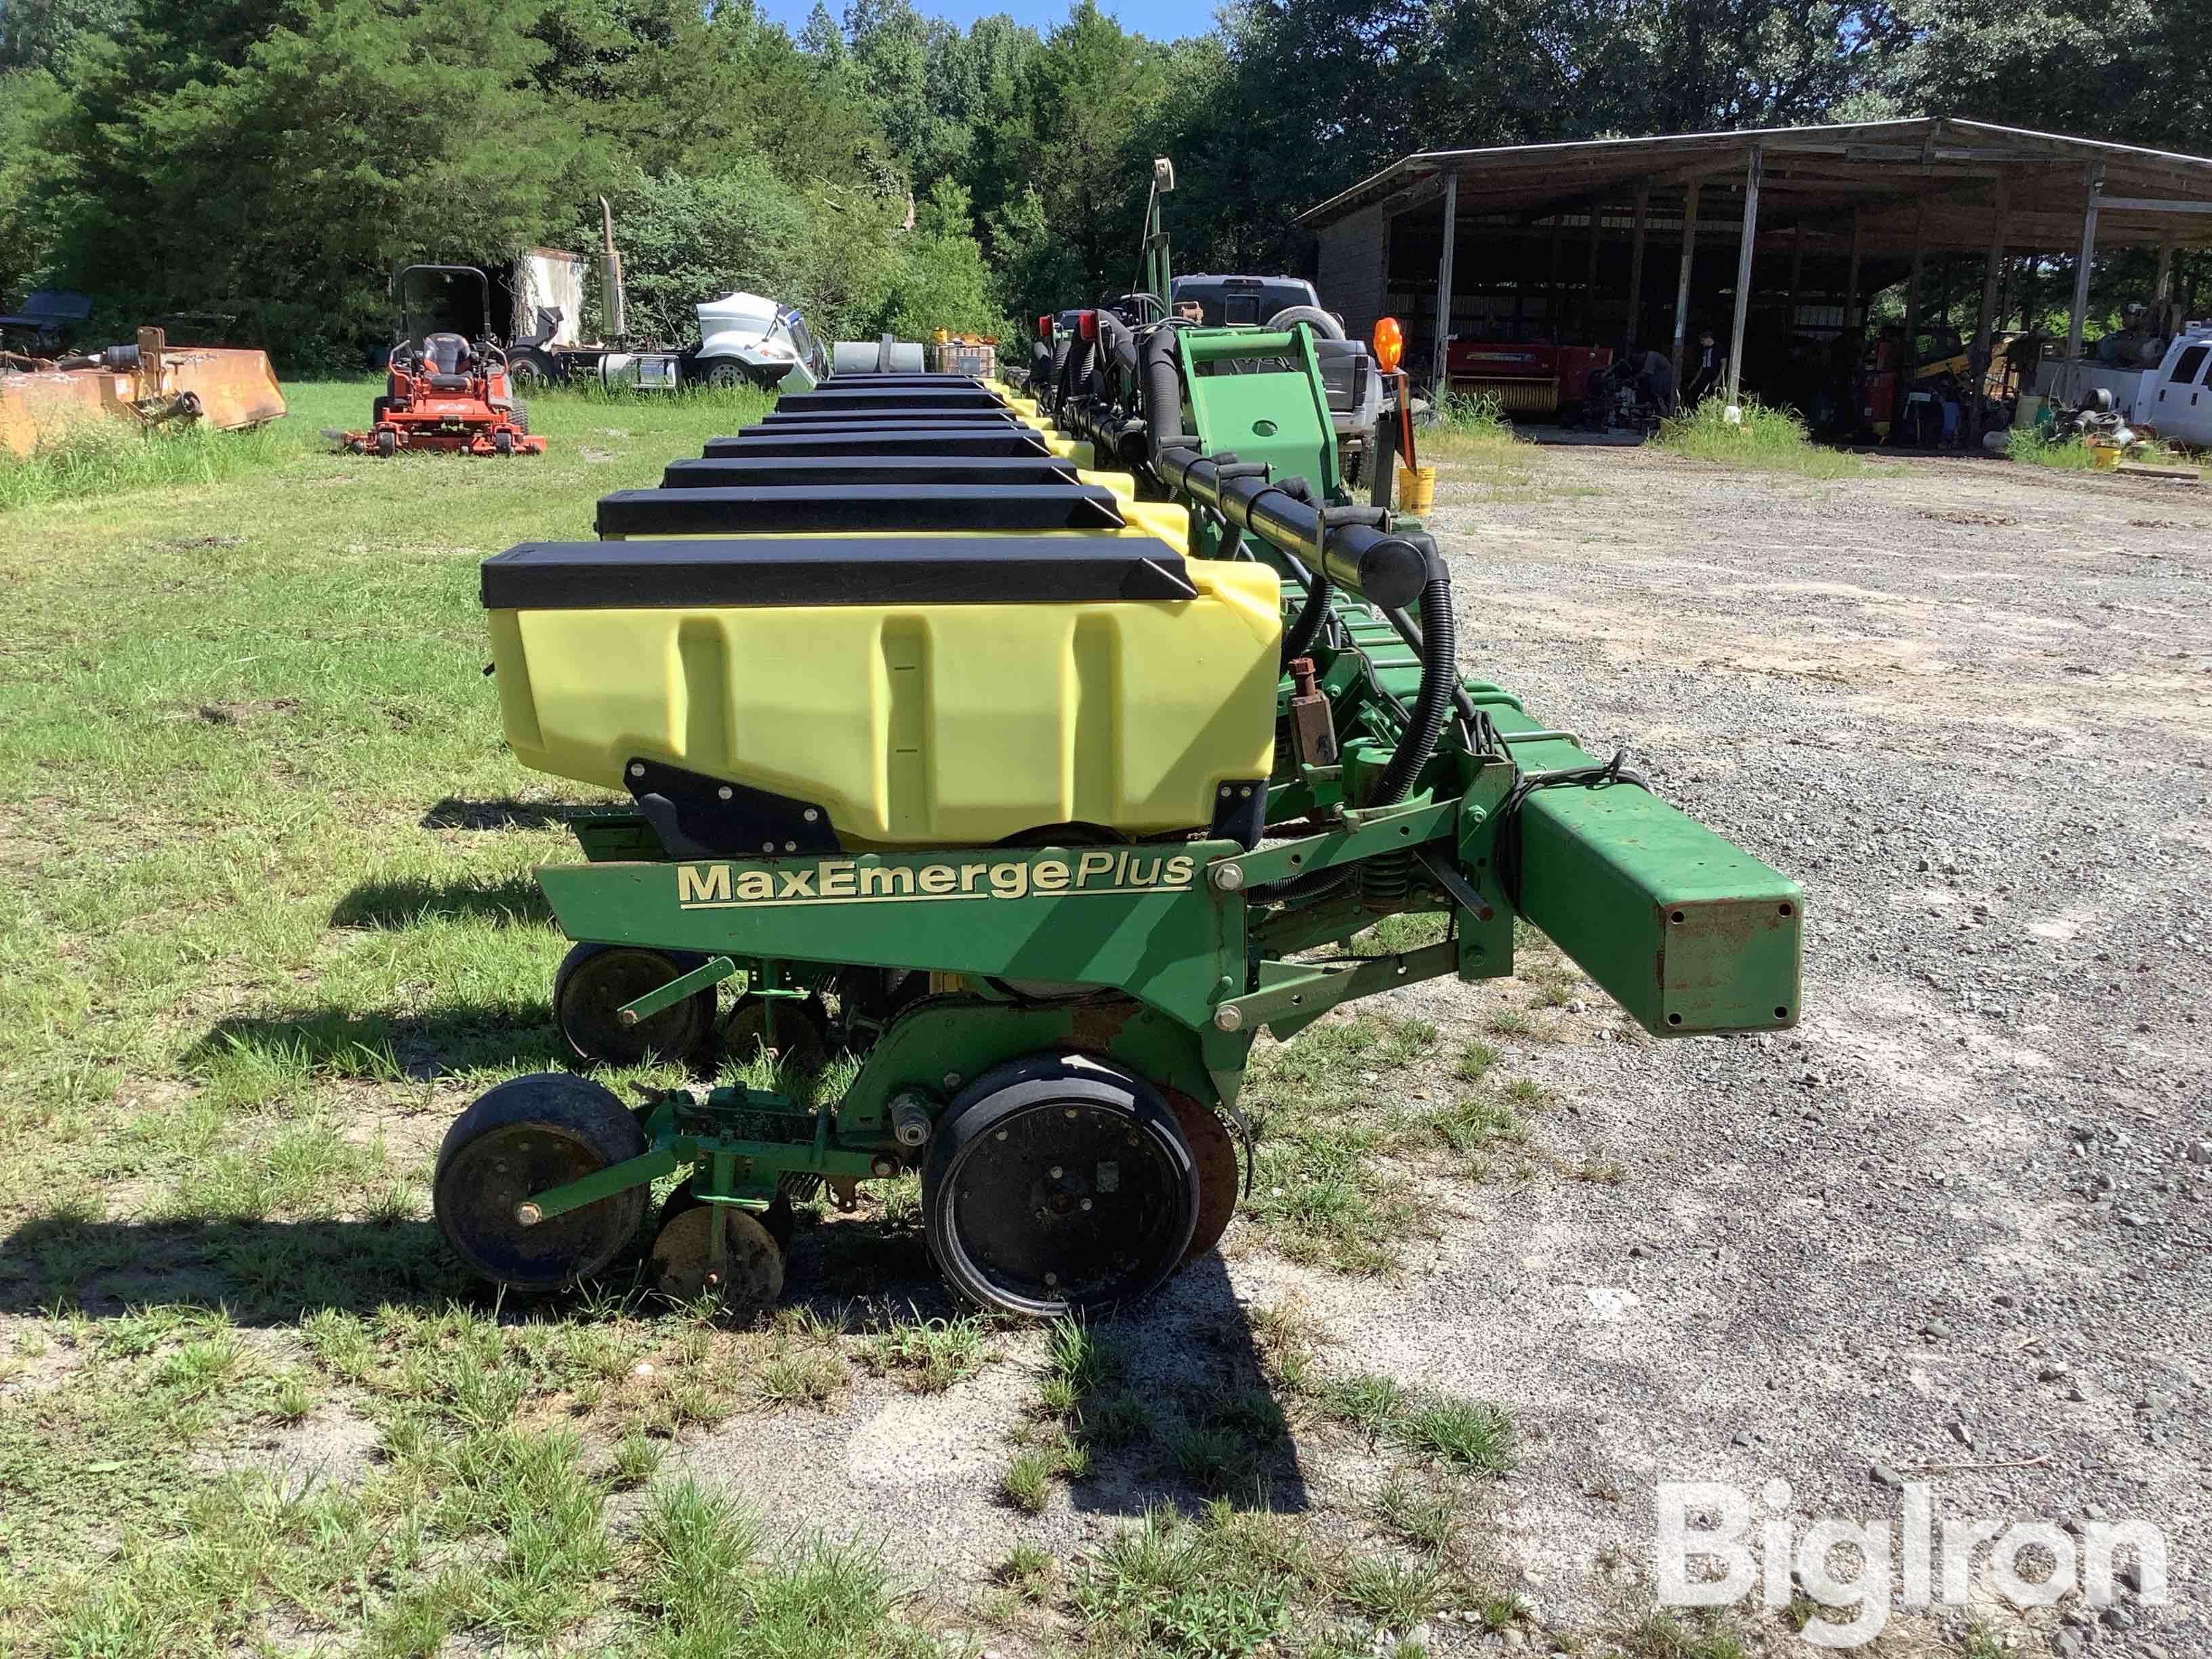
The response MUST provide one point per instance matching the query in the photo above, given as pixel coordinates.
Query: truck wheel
(725, 374)
(527, 1137)
(1057, 1184)
(528, 369)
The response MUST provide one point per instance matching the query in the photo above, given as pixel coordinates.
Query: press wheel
(1214, 1150)
(1057, 1184)
(801, 1044)
(524, 1138)
(594, 983)
(748, 1280)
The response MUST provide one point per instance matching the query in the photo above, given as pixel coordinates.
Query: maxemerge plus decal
(850, 881)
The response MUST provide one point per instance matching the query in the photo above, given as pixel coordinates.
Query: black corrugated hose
(1048, 393)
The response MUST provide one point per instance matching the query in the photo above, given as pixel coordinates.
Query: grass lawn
(268, 926)
(271, 925)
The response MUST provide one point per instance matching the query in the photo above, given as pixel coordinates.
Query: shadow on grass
(294, 1046)
(513, 901)
(1169, 1401)
(453, 814)
(263, 1272)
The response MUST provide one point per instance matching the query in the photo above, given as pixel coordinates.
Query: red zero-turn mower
(442, 392)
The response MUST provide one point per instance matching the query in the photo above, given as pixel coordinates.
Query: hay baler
(1036, 756)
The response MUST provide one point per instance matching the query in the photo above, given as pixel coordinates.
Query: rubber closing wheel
(1214, 1152)
(1057, 1184)
(750, 1276)
(594, 983)
(521, 1139)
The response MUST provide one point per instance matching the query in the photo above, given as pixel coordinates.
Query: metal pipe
(1444, 280)
(1747, 243)
(1985, 325)
(1851, 287)
(1682, 283)
(1634, 331)
(2080, 311)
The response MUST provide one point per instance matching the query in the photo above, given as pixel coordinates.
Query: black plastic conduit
(1389, 570)
(1049, 392)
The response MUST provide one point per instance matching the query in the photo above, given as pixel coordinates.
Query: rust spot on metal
(1096, 1025)
(1214, 1152)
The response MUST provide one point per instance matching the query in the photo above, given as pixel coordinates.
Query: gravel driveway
(1951, 1232)
(1958, 1221)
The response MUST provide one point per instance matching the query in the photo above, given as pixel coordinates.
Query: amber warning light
(1389, 344)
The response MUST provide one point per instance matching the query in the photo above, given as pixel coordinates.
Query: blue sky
(1164, 20)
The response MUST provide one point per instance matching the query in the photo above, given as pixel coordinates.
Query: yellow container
(1417, 488)
(2104, 457)
(917, 724)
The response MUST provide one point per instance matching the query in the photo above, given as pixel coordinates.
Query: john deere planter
(1038, 752)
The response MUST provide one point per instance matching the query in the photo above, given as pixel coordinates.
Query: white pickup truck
(2174, 399)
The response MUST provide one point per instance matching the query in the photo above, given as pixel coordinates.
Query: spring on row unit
(1386, 881)
(797, 1185)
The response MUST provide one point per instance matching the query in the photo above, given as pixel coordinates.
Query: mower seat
(446, 356)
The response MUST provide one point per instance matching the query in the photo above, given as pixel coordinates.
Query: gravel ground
(1958, 1220)
(1950, 1230)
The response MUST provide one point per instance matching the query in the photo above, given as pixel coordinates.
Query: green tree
(34, 169)
(942, 280)
(284, 187)
(1088, 114)
(43, 34)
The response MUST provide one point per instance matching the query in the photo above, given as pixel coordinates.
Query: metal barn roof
(1888, 175)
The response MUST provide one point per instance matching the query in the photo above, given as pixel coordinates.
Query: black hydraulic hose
(1162, 389)
(1299, 642)
(1075, 373)
(1424, 725)
(1439, 679)
(1117, 346)
(1117, 371)
(1473, 721)
(1049, 394)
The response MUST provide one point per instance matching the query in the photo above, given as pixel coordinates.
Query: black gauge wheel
(1057, 1184)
